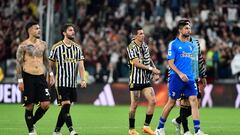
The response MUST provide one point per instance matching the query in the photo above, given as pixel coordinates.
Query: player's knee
(193, 99)
(29, 107)
(133, 105)
(152, 102)
(171, 103)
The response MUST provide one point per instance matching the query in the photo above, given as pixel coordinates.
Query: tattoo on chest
(34, 51)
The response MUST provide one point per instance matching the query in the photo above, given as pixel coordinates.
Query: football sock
(60, 121)
(178, 119)
(196, 124)
(148, 119)
(131, 123)
(38, 114)
(184, 113)
(161, 123)
(29, 120)
(67, 117)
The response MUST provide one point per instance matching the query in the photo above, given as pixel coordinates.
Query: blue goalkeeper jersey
(182, 53)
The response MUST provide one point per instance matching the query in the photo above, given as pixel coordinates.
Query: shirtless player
(32, 65)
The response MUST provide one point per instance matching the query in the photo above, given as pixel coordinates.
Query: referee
(68, 58)
(141, 69)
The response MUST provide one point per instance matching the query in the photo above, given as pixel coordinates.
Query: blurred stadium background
(104, 32)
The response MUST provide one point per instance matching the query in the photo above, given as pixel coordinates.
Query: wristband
(150, 68)
(20, 80)
(51, 73)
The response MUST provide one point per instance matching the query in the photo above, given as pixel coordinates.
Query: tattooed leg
(134, 95)
(150, 96)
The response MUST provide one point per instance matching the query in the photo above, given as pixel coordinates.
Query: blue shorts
(176, 87)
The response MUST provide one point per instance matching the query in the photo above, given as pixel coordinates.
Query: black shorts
(66, 93)
(35, 89)
(138, 87)
(199, 95)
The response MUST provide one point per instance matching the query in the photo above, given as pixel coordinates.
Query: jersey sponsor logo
(189, 55)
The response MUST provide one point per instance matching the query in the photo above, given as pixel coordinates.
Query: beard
(186, 35)
(70, 37)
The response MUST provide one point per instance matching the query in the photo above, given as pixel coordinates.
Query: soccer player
(32, 64)
(181, 79)
(68, 57)
(141, 68)
(199, 72)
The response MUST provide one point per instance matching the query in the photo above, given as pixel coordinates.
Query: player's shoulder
(131, 45)
(194, 39)
(144, 45)
(172, 43)
(56, 45)
(76, 45)
(23, 43)
(41, 42)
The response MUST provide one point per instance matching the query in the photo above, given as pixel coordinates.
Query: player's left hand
(155, 77)
(83, 84)
(51, 80)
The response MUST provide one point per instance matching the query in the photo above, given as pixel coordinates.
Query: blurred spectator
(105, 27)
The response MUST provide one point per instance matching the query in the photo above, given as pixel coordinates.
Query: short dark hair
(135, 30)
(29, 25)
(66, 26)
(182, 23)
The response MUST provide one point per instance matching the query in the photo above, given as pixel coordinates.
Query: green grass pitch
(92, 120)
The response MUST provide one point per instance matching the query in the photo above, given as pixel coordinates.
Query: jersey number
(47, 92)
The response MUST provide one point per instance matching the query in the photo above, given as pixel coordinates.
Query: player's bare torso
(33, 57)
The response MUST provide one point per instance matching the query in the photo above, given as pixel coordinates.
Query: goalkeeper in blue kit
(181, 77)
(199, 72)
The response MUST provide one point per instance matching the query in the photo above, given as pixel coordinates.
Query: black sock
(131, 123)
(29, 120)
(38, 114)
(148, 119)
(67, 117)
(178, 119)
(185, 113)
(60, 121)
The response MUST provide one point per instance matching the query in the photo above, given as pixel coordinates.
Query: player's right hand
(21, 87)
(183, 77)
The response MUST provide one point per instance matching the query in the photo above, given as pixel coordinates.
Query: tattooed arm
(46, 63)
(20, 61)
(45, 59)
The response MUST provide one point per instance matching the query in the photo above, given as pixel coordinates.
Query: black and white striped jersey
(138, 75)
(66, 60)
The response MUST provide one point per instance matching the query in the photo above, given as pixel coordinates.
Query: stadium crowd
(105, 25)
